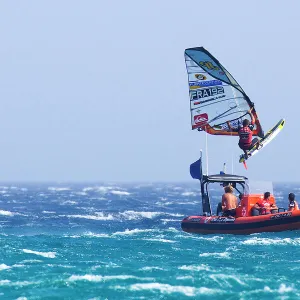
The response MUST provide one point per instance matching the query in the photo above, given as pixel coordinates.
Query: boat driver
(229, 202)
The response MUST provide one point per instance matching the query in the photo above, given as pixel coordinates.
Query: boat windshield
(258, 187)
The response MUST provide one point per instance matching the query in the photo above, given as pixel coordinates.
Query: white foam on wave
(16, 283)
(170, 289)
(100, 189)
(4, 267)
(133, 231)
(69, 202)
(170, 220)
(120, 193)
(267, 241)
(97, 278)
(137, 215)
(80, 193)
(197, 268)
(100, 216)
(31, 261)
(185, 277)
(58, 189)
(98, 235)
(160, 240)
(44, 254)
(151, 268)
(48, 212)
(6, 213)
(225, 279)
(193, 194)
(216, 255)
(284, 289)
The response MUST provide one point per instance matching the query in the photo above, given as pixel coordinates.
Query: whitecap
(101, 189)
(98, 217)
(225, 278)
(160, 240)
(44, 254)
(98, 235)
(151, 268)
(267, 241)
(97, 278)
(69, 202)
(136, 215)
(195, 268)
(133, 231)
(6, 213)
(169, 289)
(284, 289)
(216, 255)
(58, 189)
(193, 194)
(120, 193)
(184, 277)
(4, 267)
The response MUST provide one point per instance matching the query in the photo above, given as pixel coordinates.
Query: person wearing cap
(264, 206)
(293, 205)
(229, 202)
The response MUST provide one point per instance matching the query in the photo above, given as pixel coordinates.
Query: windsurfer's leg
(254, 141)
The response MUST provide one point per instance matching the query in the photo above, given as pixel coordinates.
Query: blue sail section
(212, 66)
(196, 169)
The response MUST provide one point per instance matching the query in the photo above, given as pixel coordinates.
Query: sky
(97, 90)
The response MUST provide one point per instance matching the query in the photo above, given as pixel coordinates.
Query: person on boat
(264, 206)
(245, 134)
(229, 202)
(293, 205)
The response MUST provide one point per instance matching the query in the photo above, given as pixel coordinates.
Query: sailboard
(217, 101)
(271, 134)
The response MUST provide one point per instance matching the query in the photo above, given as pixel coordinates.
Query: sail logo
(200, 77)
(197, 85)
(208, 92)
(200, 119)
(208, 65)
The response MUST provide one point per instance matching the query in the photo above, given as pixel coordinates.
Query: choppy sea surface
(124, 241)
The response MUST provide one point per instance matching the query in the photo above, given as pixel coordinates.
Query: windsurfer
(229, 202)
(245, 134)
(293, 205)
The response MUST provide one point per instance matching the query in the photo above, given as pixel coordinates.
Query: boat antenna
(206, 152)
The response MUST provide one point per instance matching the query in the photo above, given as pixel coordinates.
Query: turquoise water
(124, 241)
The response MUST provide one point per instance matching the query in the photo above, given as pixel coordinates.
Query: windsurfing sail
(216, 99)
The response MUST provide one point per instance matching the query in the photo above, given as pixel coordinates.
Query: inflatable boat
(244, 222)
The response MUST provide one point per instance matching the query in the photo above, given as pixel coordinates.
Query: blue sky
(97, 90)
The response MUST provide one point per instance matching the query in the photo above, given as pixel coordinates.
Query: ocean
(124, 241)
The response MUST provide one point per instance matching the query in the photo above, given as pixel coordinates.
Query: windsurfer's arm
(252, 117)
(231, 129)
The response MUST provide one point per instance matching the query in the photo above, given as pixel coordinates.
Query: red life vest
(245, 134)
(264, 204)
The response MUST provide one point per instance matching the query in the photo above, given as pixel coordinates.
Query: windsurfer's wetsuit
(245, 134)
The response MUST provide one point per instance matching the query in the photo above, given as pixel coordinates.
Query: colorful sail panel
(216, 99)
